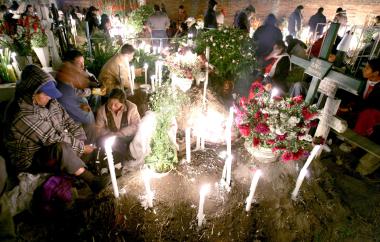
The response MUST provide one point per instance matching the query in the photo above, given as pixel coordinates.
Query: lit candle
(228, 131)
(159, 73)
(111, 165)
(206, 80)
(252, 189)
(154, 50)
(146, 72)
(229, 168)
(202, 195)
(132, 78)
(152, 79)
(15, 65)
(303, 171)
(156, 69)
(149, 194)
(188, 145)
(198, 143)
(159, 50)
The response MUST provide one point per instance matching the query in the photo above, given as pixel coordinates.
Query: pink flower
(281, 137)
(262, 128)
(286, 156)
(244, 129)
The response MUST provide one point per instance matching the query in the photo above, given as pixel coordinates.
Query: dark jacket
(31, 127)
(266, 36)
(242, 22)
(210, 18)
(316, 19)
(373, 99)
(93, 21)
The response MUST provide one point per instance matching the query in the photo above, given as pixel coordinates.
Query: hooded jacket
(31, 127)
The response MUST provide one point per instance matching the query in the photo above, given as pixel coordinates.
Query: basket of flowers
(274, 126)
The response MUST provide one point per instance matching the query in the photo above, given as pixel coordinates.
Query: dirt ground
(333, 205)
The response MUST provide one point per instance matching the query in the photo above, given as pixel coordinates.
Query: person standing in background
(295, 21)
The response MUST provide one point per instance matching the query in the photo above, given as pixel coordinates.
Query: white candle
(159, 73)
(188, 145)
(198, 143)
(15, 65)
(154, 50)
(156, 70)
(131, 78)
(303, 171)
(206, 80)
(159, 50)
(108, 147)
(146, 72)
(228, 131)
(252, 189)
(202, 195)
(152, 79)
(229, 168)
(149, 193)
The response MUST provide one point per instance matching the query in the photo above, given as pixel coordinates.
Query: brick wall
(357, 10)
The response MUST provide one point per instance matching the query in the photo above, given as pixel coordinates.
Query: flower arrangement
(166, 102)
(280, 124)
(6, 70)
(39, 40)
(185, 63)
(231, 51)
(137, 18)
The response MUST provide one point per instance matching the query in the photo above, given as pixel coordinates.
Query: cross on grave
(328, 120)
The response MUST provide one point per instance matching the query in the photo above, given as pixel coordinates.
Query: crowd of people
(58, 124)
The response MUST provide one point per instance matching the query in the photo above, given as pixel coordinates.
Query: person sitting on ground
(296, 47)
(40, 136)
(118, 117)
(363, 113)
(277, 70)
(73, 83)
(115, 73)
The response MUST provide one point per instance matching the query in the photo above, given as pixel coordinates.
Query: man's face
(79, 62)
(368, 73)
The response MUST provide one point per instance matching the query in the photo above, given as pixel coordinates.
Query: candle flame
(205, 189)
(109, 141)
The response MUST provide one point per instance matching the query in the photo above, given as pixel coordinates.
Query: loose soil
(331, 206)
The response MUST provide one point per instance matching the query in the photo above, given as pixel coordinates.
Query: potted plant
(39, 42)
(275, 126)
(231, 52)
(166, 103)
(184, 66)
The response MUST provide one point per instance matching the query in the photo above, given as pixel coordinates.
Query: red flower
(256, 90)
(307, 115)
(243, 102)
(281, 137)
(313, 123)
(256, 141)
(244, 129)
(297, 99)
(262, 128)
(257, 115)
(287, 156)
(271, 142)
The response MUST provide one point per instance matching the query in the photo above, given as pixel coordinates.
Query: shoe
(346, 148)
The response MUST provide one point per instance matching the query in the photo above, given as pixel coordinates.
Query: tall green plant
(139, 16)
(166, 103)
(231, 51)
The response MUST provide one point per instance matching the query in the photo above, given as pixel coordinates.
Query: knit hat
(50, 89)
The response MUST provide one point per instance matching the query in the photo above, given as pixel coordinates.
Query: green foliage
(140, 58)
(139, 16)
(231, 51)
(166, 103)
(39, 40)
(102, 52)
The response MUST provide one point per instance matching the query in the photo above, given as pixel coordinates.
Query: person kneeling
(118, 117)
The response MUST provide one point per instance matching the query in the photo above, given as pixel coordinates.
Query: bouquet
(185, 64)
(280, 124)
(39, 40)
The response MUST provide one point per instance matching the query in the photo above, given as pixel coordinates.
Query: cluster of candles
(226, 174)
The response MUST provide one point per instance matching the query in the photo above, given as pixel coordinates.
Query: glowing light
(252, 189)
(202, 195)
(108, 147)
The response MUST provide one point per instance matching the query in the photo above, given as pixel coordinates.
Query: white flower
(307, 137)
(280, 131)
(214, 44)
(293, 121)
